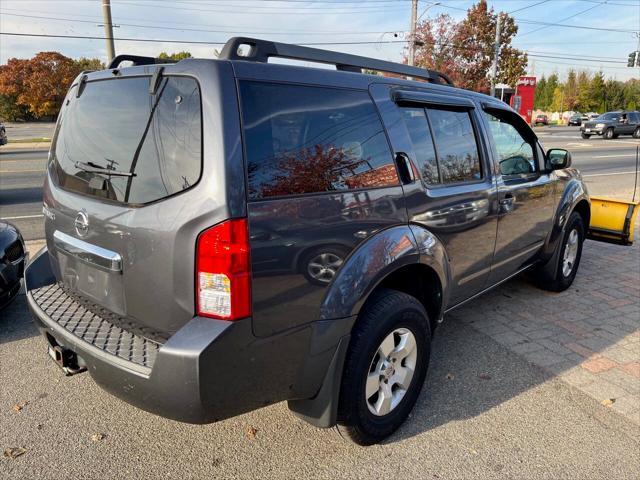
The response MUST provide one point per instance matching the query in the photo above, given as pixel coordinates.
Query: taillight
(223, 271)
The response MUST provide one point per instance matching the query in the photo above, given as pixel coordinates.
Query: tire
(585, 136)
(321, 265)
(636, 133)
(391, 316)
(558, 274)
(616, 135)
(608, 134)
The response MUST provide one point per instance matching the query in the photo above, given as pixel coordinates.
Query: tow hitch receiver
(66, 359)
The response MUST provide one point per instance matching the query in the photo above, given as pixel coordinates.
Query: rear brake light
(223, 271)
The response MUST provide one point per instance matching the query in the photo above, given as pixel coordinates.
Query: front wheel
(608, 134)
(385, 367)
(636, 133)
(560, 271)
(585, 136)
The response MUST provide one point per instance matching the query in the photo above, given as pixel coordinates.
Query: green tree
(552, 84)
(614, 95)
(571, 90)
(540, 95)
(631, 92)
(585, 102)
(597, 92)
(175, 56)
(558, 104)
(11, 110)
(89, 64)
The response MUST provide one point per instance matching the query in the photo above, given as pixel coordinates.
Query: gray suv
(612, 124)
(227, 234)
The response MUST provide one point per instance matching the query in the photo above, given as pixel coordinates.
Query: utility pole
(108, 29)
(496, 53)
(412, 35)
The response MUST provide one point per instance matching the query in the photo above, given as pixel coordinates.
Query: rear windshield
(119, 142)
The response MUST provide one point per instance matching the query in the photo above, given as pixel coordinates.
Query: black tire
(553, 276)
(608, 134)
(335, 252)
(636, 133)
(387, 312)
(585, 136)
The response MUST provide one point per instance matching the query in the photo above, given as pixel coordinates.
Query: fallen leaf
(96, 437)
(484, 376)
(14, 452)
(607, 402)
(19, 406)
(252, 432)
(450, 376)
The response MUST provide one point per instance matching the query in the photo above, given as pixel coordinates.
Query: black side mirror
(558, 158)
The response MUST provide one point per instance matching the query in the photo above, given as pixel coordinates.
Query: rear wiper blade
(94, 168)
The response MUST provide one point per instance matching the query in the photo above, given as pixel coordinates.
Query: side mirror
(558, 158)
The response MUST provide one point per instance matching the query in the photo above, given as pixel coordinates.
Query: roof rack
(262, 50)
(136, 60)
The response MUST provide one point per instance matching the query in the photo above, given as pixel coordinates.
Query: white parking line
(23, 217)
(607, 174)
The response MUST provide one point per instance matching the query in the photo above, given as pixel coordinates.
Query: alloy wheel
(570, 253)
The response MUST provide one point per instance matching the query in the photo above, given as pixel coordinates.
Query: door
(454, 196)
(525, 192)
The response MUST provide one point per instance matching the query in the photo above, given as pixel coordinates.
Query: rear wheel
(608, 134)
(585, 136)
(636, 133)
(385, 367)
(558, 274)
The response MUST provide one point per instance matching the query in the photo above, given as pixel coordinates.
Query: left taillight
(223, 271)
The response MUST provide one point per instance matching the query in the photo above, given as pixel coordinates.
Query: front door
(525, 192)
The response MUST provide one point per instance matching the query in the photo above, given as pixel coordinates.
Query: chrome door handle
(507, 203)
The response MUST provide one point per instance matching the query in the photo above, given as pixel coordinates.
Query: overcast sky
(328, 21)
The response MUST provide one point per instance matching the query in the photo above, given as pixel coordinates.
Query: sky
(375, 28)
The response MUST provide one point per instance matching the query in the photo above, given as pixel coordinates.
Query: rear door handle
(405, 168)
(507, 203)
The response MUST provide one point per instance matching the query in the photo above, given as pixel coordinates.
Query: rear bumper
(207, 371)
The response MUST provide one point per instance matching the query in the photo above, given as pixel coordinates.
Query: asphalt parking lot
(522, 384)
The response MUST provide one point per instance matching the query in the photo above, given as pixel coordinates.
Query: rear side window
(445, 144)
(301, 139)
(117, 141)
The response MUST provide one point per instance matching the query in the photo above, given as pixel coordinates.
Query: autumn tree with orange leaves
(464, 49)
(38, 85)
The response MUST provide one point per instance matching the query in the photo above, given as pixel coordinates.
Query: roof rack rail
(262, 50)
(136, 60)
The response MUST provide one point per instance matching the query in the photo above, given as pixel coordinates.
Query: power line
(564, 19)
(528, 6)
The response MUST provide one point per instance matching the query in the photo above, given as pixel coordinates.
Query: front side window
(418, 128)
(515, 154)
(302, 139)
(119, 142)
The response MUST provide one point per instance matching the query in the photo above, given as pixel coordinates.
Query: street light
(414, 22)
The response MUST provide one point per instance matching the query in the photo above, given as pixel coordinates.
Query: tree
(614, 95)
(558, 104)
(584, 102)
(89, 64)
(597, 93)
(552, 84)
(631, 94)
(464, 50)
(571, 90)
(540, 95)
(175, 56)
(40, 83)
(11, 110)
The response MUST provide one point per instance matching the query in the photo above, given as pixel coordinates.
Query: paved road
(519, 423)
(608, 165)
(20, 130)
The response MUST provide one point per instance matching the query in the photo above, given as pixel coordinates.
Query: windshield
(118, 142)
(608, 116)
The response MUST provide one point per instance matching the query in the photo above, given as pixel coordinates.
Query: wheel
(384, 368)
(616, 135)
(321, 265)
(636, 133)
(558, 274)
(608, 134)
(585, 136)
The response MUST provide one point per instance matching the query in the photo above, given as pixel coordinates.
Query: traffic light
(634, 59)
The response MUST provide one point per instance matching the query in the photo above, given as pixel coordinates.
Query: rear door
(127, 192)
(455, 195)
(526, 192)
(321, 180)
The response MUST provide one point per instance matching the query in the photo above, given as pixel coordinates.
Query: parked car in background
(12, 262)
(285, 241)
(592, 115)
(541, 120)
(575, 119)
(3, 134)
(612, 124)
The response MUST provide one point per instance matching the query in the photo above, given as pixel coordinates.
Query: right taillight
(223, 271)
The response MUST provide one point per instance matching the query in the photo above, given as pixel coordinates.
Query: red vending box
(522, 99)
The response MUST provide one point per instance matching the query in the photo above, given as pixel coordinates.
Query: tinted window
(455, 141)
(302, 139)
(117, 126)
(608, 116)
(515, 154)
(418, 127)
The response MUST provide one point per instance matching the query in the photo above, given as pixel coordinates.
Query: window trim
(52, 167)
(250, 199)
